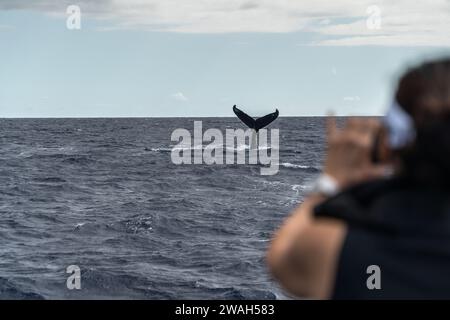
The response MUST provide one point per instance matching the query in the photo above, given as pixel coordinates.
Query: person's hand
(349, 151)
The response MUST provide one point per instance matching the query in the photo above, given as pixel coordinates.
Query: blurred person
(382, 200)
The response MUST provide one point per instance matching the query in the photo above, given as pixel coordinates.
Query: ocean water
(104, 195)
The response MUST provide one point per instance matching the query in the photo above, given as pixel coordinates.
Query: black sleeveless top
(401, 228)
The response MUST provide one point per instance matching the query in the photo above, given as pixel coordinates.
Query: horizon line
(178, 117)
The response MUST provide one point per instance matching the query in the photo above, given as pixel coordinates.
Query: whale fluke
(258, 123)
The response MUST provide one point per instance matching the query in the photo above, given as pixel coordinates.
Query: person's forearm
(286, 236)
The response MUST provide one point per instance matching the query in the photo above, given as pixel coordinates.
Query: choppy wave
(50, 180)
(299, 166)
(11, 291)
(48, 151)
(86, 192)
(209, 147)
(162, 149)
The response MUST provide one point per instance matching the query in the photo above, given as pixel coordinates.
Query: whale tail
(258, 123)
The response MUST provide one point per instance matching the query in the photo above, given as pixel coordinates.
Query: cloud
(352, 98)
(180, 96)
(336, 23)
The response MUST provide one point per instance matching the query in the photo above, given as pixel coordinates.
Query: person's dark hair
(424, 92)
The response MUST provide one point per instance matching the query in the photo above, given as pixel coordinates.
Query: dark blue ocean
(103, 194)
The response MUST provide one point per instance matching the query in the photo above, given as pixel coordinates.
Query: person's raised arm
(304, 251)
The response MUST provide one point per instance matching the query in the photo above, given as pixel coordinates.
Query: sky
(148, 58)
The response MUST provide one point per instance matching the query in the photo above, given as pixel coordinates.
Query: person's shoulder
(370, 190)
(355, 204)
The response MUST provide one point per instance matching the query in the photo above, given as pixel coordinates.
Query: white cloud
(352, 98)
(338, 22)
(180, 96)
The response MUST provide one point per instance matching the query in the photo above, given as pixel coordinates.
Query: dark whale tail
(258, 123)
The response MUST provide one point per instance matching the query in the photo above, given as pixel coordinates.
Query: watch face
(326, 185)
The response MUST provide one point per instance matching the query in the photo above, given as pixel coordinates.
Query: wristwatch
(325, 185)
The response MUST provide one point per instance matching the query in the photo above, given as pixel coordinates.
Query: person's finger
(380, 171)
(369, 130)
(374, 125)
(361, 140)
(331, 126)
(374, 122)
(366, 128)
(364, 125)
(352, 124)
